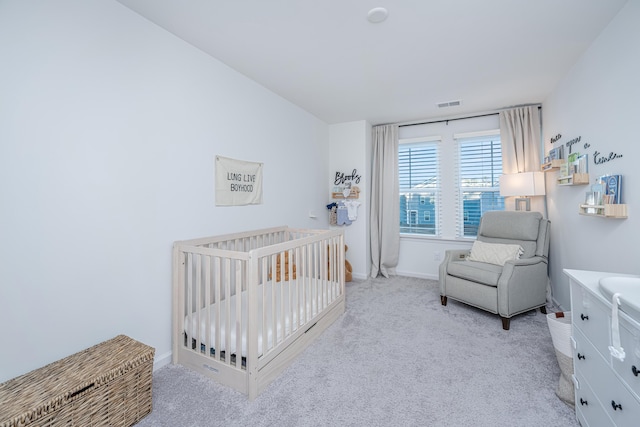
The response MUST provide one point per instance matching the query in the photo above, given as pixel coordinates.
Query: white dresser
(607, 390)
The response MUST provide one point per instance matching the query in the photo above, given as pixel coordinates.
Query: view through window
(419, 187)
(479, 170)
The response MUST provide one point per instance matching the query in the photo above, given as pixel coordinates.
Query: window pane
(480, 163)
(418, 176)
(476, 203)
(416, 217)
(479, 175)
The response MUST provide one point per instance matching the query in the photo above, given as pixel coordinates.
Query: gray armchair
(518, 286)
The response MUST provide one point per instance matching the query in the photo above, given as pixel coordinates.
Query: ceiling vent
(449, 104)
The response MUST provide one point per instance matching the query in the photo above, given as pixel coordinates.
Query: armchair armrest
(523, 282)
(455, 255)
(450, 256)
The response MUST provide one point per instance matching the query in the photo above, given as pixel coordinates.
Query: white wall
(597, 101)
(350, 145)
(108, 130)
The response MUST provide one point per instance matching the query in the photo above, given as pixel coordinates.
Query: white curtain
(385, 202)
(520, 136)
(521, 143)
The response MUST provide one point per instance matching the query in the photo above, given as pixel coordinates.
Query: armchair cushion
(480, 272)
(494, 253)
(505, 225)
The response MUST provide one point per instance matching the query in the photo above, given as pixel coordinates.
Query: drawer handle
(616, 406)
(583, 402)
(583, 317)
(634, 370)
(580, 356)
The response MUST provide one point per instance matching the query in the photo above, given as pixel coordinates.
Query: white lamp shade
(522, 184)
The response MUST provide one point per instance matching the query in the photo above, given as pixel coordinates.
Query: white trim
(476, 134)
(162, 361)
(417, 275)
(359, 276)
(423, 237)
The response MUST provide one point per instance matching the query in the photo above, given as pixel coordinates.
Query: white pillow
(494, 253)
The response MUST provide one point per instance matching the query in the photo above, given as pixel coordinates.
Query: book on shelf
(556, 153)
(611, 189)
(591, 199)
(564, 169)
(583, 163)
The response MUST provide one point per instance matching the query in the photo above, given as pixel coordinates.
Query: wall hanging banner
(238, 182)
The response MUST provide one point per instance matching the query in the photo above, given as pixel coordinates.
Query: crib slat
(239, 318)
(198, 300)
(217, 281)
(263, 297)
(303, 286)
(189, 302)
(294, 301)
(207, 304)
(227, 304)
(282, 289)
(274, 310)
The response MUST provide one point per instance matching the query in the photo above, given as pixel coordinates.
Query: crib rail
(241, 299)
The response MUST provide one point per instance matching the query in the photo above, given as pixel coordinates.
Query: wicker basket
(106, 385)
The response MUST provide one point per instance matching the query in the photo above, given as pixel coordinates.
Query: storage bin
(560, 329)
(108, 384)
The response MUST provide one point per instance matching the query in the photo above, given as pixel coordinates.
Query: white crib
(246, 304)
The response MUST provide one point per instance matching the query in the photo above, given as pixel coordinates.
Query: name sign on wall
(238, 182)
(598, 157)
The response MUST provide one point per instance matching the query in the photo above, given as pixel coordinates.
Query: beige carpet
(397, 357)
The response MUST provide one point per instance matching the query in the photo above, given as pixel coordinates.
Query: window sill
(424, 237)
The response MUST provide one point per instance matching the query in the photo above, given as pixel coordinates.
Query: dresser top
(589, 280)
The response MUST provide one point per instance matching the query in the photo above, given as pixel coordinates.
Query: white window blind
(418, 169)
(479, 160)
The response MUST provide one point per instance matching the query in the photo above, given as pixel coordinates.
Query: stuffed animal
(348, 276)
(280, 267)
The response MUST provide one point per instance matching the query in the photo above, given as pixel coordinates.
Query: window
(479, 170)
(419, 186)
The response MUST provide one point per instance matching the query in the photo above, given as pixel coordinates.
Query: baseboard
(162, 360)
(555, 302)
(417, 275)
(359, 276)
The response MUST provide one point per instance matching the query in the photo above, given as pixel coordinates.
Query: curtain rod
(462, 118)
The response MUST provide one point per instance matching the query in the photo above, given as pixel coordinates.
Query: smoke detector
(377, 14)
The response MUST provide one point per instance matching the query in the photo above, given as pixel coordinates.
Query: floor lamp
(523, 185)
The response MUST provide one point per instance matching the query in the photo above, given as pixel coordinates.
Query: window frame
(423, 200)
(463, 216)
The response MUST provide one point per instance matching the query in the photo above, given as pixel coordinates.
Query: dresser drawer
(591, 317)
(618, 402)
(629, 369)
(588, 407)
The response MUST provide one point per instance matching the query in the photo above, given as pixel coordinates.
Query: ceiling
(327, 58)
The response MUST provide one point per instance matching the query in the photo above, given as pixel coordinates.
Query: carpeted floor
(397, 357)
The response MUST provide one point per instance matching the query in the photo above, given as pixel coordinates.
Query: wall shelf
(618, 211)
(574, 179)
(353, 194)
(553, 165)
